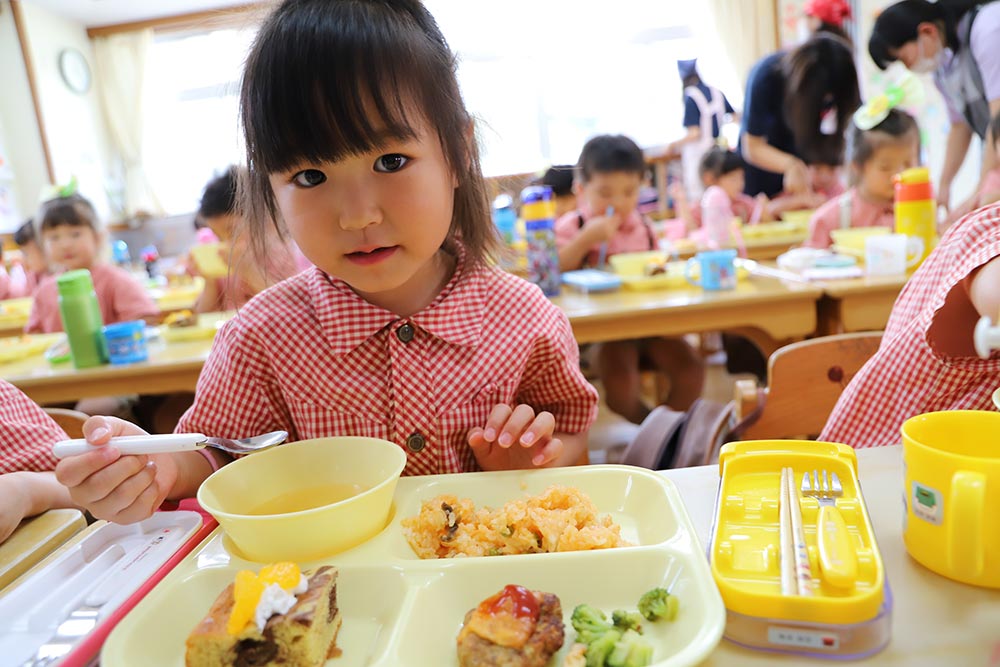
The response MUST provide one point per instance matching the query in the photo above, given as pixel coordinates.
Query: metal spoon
(173, 442)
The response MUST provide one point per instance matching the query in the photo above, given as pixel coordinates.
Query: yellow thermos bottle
(915, 210)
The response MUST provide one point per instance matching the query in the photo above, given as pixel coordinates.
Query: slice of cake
(279, 617)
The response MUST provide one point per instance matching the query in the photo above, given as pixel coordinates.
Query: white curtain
(746, 31)
(120, 61)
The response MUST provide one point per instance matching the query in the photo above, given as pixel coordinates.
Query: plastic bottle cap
(75, 283)
(914, 176)
(536, 193)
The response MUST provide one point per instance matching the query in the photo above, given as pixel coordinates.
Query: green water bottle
(81, 318)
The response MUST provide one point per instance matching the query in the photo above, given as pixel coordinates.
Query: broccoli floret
(590, 623)
(627, 620)
(601, 647)
(658, 603)
(630, 651)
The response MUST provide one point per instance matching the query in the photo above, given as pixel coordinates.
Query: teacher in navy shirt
(797, 107)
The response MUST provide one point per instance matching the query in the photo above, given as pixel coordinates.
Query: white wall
(74, 125)
(19, 136)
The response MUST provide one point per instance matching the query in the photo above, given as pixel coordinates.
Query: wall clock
(74, 70)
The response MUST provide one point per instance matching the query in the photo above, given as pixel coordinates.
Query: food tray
(206, 328)
(16, 348)
(15, 312)
(672, 278)
(400, 610)
(744, 551)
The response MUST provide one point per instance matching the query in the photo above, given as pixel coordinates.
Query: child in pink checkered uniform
(360, 148)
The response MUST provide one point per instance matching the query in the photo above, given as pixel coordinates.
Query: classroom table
(857, 304)
(769, 312)
(34, 539)
(172, 366)
(935, 621)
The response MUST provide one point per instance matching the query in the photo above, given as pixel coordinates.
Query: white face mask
(926, 64)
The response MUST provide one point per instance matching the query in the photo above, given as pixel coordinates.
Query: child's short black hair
(73, 210)
(219, 197)
(898, 127)
(719, 162)
(25, 234)
(560, 178)
(606, 154)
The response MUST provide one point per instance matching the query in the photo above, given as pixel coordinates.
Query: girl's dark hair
(719, 162)
(560, 178)
(995, 127)
(835, 30)
(73, 210)
(219, 196)
(898, 127)
(609, 153)
(819, 74)
(328, 79)
(25, 234)
(897, 25)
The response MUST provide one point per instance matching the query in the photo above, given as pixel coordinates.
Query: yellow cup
(952, 475)
(305, 500)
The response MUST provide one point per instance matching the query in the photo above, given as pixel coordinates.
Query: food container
(836, 621)
(126, 342)
(400, 610)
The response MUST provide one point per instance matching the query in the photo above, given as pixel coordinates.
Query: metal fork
(69, 633)
(837, 558)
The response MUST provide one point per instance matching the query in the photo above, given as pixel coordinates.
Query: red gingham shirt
(26, 433)
(909, 375)
(311, 357)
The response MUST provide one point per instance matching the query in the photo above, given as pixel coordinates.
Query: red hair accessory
(834, 12)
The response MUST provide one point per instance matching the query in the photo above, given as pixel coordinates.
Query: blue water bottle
(120, 254)
(539, 211)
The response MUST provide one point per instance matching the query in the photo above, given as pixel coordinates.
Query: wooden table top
(172, 366)
(779, 310)
(935, 621)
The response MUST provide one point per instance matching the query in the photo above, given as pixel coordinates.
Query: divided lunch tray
(744, 554)
(110, 568)
(399, 610)
(16, 348)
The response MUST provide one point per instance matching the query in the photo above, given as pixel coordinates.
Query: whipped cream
(276, 600)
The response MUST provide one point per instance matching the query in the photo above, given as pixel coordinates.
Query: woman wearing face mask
(797, 106)
(959, 42)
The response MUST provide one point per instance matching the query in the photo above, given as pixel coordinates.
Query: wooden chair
(805, 379)
(70, 421)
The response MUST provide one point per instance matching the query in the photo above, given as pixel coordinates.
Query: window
(540, 78)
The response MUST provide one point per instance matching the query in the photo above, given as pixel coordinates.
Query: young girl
(72, 239)
(722, 173)
(401, 331)
(876, 155)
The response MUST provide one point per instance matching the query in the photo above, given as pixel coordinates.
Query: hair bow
(906, 90)
(834, 12)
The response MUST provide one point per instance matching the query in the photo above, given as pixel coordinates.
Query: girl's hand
(113, 486)
(944, 196)
(515, 439)
(14, 507)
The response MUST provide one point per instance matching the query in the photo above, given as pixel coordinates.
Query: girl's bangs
(310, 100)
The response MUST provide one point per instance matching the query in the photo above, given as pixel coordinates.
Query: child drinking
(72, 239)
(609, 176)
(876, 156)
(402, 330)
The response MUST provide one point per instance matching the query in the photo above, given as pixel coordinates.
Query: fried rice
(561, 518)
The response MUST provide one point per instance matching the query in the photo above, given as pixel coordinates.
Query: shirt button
(416, 442)
(405, 333)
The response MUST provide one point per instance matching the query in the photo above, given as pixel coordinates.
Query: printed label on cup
(928, 503)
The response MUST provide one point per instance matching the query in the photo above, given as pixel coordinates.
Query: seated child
(219, 212)
(560, 178)
(826, 178)
(27, 484)
(722, 173)
(73, 239)
(876, 156)
(927, 361)
(35, 266)
(824, 185)
(608, 179)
